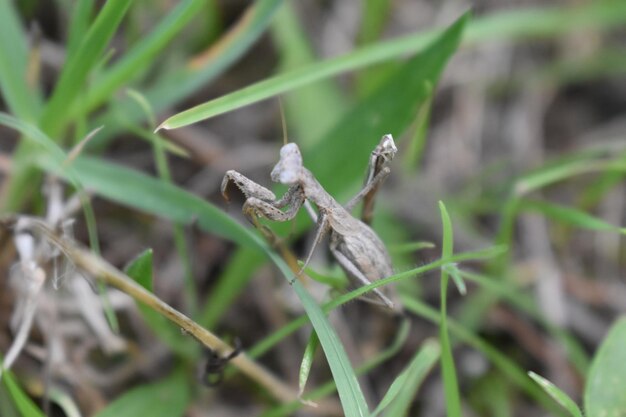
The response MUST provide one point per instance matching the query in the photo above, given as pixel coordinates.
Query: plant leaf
(606, 384)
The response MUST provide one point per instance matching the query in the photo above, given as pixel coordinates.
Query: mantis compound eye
(288, 169)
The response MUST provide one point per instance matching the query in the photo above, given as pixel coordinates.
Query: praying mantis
(354, 244)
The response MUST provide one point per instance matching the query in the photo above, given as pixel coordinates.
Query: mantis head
(386, 148)
(289, 168)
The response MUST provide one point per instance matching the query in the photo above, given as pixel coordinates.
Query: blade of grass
(570, 216)
(172, 87)
(524, 24)
(315, 72)
(559, 396)
(350, 394)
(140, 55)
(78, 65)
(307, 362)
(402, 391)
(330, 386)
(294, 325)
(19, 98)
(23, 403)
(69, 86)
(79, 24)
(450, 383)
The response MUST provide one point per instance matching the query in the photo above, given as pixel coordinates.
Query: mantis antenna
(283, 121)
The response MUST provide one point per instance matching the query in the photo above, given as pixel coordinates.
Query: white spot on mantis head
(289, 167)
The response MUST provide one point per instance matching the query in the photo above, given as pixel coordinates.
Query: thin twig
(107, 273)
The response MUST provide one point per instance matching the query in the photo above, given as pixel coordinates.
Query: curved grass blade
(315, 72)
(559, 396)
(532, 23)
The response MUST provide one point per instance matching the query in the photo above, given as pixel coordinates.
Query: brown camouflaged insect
(356, 247)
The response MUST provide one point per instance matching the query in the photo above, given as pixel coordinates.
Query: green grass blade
(350, 394)
(19, 98)
(151, 195)
(78, 66)
(141, 55)
(22, 402)
(401, 393)
(330, 386)
(307, 362)
(570, 216)
(450, 383)
(453, 271)
(175, 86)
(606, 385)
(314, 72)
(339, 159)
(559, 396)
(79, 24)
(375, 13)
(532, 23)
(552, 173)
(547, 22)
(140, 269)
(168, 398)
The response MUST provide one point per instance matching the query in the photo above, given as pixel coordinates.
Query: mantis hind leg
(354, 272)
